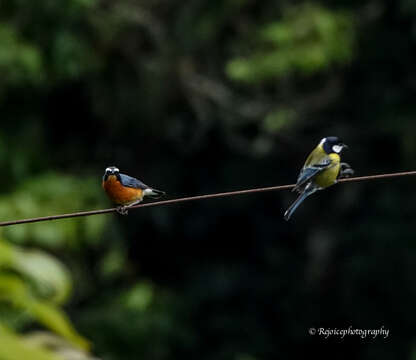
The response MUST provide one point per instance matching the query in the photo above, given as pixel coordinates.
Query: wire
(194, 198)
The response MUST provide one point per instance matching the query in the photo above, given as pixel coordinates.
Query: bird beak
(344, 146)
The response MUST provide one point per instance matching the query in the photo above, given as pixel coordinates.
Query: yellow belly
(329, 176)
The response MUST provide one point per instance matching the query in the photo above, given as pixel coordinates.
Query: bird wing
(132, 182)
(310, 171)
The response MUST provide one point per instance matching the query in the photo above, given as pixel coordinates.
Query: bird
(322, 168)
(126, 191)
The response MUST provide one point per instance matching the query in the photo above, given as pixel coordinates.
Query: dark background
(197, 97)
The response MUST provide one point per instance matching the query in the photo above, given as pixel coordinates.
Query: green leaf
(14, 347)
(14, 290)
(48, 275)
(58, 344)
(43, 271)
(6, 254)
(56, 320)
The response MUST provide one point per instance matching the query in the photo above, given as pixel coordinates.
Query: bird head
(111, 170)
(332, 144)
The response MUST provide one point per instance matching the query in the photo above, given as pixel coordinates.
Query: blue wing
(309, 172)
(132, 182)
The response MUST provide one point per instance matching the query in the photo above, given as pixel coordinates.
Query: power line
(194, 198)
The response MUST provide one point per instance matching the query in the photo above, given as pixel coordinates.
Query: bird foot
(122, 210)
(346, 171)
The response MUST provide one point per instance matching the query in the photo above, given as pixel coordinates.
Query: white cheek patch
(111, 169)
(337, 148)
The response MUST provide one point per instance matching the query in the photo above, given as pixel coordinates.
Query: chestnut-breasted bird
(321, 170)
(125, 190)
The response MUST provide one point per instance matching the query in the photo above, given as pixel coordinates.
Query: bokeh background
(197, 97)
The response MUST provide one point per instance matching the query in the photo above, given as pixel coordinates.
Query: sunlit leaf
(45, 272)
(48, 275)
(59, 345)
(14, 347)
(14, 290)
(56, 320)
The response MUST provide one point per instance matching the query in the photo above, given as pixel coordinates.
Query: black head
(332, 144)
(111, 170)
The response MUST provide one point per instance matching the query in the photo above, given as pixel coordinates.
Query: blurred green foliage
(50, 194)
(20, 62)
(307, 39)
(32, 284)
(13, 347)
(197, 97)
(49, 277)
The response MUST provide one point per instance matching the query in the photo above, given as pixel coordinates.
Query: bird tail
(153, 193)
(289, 212)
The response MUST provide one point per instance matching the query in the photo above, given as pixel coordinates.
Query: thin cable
(194, 198)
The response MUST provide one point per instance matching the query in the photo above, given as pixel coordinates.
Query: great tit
(321, 170)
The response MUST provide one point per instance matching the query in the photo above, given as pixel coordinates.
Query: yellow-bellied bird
(321, 170)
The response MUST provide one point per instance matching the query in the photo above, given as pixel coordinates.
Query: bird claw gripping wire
(122, 210)
(345, 171)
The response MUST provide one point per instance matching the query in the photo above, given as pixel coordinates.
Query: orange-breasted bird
(125, 190)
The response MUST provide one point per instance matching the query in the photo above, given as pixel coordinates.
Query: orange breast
(120, 194)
